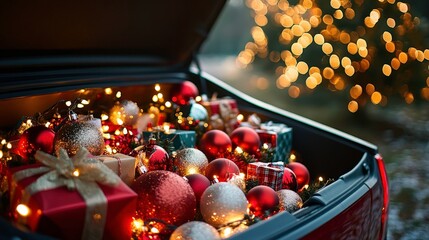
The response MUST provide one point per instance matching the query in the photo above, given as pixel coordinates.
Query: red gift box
(63, 213)
(269, 174)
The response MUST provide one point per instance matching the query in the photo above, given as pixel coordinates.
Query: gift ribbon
(76, 173)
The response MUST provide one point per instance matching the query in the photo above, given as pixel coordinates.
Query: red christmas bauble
(214, 144)
(199, 183)
(289, 180)
(183, 92)
(222, 168)
(262, 199)
(154, 157)
(165, 196)
(247, 139)
(301, 173)
(33, 139)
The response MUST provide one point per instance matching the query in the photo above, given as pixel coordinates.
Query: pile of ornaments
(191, 194)
(201, 192)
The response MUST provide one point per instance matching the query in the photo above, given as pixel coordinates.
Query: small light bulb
(76, 173)
(239, 150)
(23, 210)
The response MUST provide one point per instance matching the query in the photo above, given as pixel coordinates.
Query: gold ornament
(190, 161)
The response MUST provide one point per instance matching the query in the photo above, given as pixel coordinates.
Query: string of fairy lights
(372, 49)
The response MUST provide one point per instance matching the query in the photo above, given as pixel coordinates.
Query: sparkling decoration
(33, 139)
(152, 157)
(124, 113)
(189, 161)
(75, 134)
(191, 115)
(165, 196)
(195, 230)
(289, 180)
(215, 143)
(301, 173)
(374, 50)
(289, 200)
(183, 92)
(262, 199)
(247, 139)
(222, 203)
(221, 169)
(199, 183)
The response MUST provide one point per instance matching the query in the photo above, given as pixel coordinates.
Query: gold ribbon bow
(76, 173)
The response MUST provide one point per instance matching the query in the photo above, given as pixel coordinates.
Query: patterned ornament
(195, 230)
(247, 139)
(152, 157)
(289, 180)
(33, 139)
(301, 173)
(215, 143)
(223, 203)
(262, 199)
(289, 200)
(124, 113)
(199, 183)
(183, 92)
(222, 169)
(189, 161)
(165, 196)
(238, 181)
(75, 134)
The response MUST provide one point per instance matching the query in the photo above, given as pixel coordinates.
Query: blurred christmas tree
(374, 50)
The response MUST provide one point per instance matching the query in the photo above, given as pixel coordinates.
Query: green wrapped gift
(179, 138)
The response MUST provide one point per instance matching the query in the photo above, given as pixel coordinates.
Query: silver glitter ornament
(190, 161)
(195, 230)
(289, 200)
(222, 203)
(74, 135)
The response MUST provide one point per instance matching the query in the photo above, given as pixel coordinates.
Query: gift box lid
(156, 34)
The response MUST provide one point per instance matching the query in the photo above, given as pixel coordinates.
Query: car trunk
(55, 51)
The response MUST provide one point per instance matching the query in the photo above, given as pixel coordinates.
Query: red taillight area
(385, 185)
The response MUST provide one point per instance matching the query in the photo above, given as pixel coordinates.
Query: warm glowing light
(265, 146)
(68, 103)
(119, 121)
(387, 36)
(395, 63)
(76, 173)
(363, 52)
(402, 7)
(320, 179)
(80, 105)
(387, 70)
(349, 70)
(353, 106)
(319, 39)
(370, 88)
(390, 47)
(334, 61)
(338, 14)
(355, 91)
(327, 48)
(294, 91)
(108, 91)
(352, 48)
(85, 102)
(296, 49)
(311, 82)
(226, 232)
(191, 171)
(23, 210)
(376, 97)
(240, 117)
(350, 13)
(327, 19)
(409, 98)
(345, 61)
(335, 4)
(302, 67)
(118, 94)
(391, 22)
(238, 150)
(328, 73)
(9, 145)
(154, 230)
(403, 57)
(3, 142)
